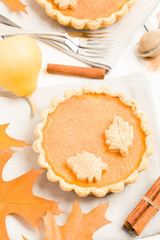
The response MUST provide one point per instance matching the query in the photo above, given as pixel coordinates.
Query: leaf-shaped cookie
(16, 197)
(86, 166)
(64, 4)
(79, 226)
(15, 5)
(119, 137)
(6, 141)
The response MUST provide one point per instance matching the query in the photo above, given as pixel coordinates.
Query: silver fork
(84, 44)
(78, 44)
(97, 45)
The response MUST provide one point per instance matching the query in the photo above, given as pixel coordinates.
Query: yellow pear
(20, 64)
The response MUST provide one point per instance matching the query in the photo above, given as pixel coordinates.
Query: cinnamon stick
(141, 215)
(96, 73)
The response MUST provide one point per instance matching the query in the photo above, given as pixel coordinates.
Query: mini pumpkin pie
(90, 14)
(92, 141)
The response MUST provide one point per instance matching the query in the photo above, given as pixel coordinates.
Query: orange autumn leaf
(16, 197)
(6, 141)
(15, 5)
(79, 226)
(24, 238)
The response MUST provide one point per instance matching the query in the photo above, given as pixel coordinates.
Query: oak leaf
(6, 141)
(15, 5)
(16, 197)
(24, 238)
(79, 226)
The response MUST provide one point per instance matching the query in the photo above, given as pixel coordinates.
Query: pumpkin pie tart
(93, 141)
(90, 14)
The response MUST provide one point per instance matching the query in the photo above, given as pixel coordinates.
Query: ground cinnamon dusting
(152, 64)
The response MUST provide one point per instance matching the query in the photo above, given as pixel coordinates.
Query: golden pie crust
(77, 123)
(89, 14)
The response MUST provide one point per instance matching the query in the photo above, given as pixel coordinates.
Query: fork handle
(91, 63)
(10, 31)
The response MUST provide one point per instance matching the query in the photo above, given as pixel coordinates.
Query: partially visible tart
(90, 14)
(75, 137)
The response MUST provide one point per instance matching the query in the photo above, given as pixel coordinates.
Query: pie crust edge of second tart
(85, 23)
(102, 191)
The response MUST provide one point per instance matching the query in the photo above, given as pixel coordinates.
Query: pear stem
(32, 104)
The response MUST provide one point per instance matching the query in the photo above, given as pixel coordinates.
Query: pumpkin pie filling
(78, 124)
(90, 14)
(92, 9)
